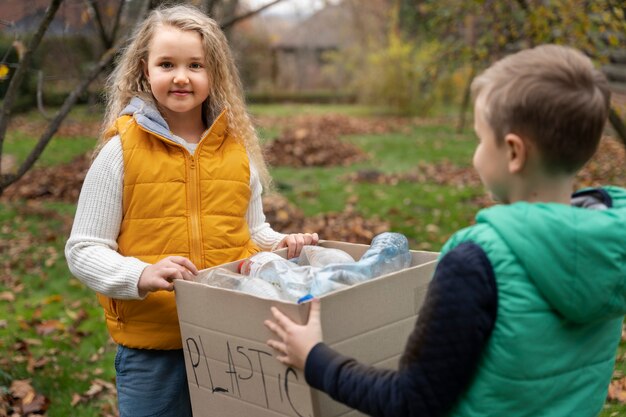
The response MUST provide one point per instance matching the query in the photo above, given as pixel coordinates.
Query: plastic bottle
(388, 252)
(260, 288)
(220, 277)
(319, 256)
(291, 281)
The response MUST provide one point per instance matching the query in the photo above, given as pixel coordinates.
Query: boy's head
(552, 98)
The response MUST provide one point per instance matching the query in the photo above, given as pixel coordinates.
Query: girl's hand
(296, 241)
(161, 275)
(296, 341)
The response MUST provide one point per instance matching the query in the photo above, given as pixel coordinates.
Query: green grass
(45, 292)
(60, 149)
(298, 109)
(54, 319)
(396, 152)
(408, 206)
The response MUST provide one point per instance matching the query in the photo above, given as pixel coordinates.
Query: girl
(175, 187)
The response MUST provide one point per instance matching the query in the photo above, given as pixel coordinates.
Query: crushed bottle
(319, 270)
(318, 256)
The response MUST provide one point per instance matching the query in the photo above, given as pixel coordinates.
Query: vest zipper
(194, 195)
(194, 213)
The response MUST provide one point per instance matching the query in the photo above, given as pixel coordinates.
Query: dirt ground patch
(69, 128)
(58, 183)
(63, 183)
(608, 166)
(315, 140)
(346, 226)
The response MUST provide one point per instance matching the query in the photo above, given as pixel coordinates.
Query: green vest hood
(561, 278)
(576, 257)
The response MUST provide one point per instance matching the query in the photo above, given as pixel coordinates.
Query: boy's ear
(517, 152)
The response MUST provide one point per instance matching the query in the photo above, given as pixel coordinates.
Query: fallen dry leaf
(7, 296)
(97, 388)
(36, 364)
(76, 399)
(617, 390)
(21, 388)
(49, 326)
(36, 406)
(55, 298)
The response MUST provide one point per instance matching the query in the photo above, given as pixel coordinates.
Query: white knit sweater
(91, 250)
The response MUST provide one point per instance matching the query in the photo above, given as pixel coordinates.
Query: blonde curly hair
(128, 79)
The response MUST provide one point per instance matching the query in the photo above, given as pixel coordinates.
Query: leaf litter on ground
(63, 183)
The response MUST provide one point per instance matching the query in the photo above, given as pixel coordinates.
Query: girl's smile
(176, 71)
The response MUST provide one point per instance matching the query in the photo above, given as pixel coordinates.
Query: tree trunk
(466, 100)
(231, 21)
(53, 126)
(105, 60)
(18, 76)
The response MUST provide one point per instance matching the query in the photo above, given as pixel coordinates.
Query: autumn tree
(111, 33)
(479, 32)
(430, 46)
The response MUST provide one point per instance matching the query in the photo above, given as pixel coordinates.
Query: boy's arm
(91, 250)
(442, 352)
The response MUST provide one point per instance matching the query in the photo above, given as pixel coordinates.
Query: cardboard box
(233, 373)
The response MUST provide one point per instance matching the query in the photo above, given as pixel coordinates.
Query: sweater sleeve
(91, 250)
(260, 231)
(441, 354)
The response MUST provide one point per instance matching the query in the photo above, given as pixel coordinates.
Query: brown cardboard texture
(233, 373)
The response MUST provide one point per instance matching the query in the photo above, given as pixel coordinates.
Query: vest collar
(150, 119)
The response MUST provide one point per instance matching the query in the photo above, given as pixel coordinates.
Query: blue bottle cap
(305, 298)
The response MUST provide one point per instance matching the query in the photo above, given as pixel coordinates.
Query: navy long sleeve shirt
(441, 354)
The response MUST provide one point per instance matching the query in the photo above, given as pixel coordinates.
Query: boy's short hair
(550, 95)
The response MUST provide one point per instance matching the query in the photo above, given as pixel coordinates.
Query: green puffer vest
(561, 279)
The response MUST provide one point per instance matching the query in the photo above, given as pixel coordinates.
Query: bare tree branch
(107, 39)
(523, 5)
(247, 15)
(228, 9)
(143, 11)
(209, 6)
(467, 94)
(104, 37)
(40, 106)
(116, 23)
(18, 76)
(53, 126)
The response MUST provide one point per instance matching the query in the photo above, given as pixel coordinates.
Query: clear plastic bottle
(319, 256)
(260, 288)
(220, 277)
(388, 252)
(291, 281)
(251, 265)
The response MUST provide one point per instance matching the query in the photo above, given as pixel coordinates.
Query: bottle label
(255, 262)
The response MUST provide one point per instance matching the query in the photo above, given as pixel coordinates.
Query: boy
(524, 312)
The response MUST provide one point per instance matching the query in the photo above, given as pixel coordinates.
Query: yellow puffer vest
(177, 204)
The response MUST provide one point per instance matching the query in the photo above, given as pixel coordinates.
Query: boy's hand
(296, 241)
(161, 275)
(297, 341)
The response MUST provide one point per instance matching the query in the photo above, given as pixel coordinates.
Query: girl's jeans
(151, 383)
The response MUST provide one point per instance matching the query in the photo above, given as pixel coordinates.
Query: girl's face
(176, 72)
